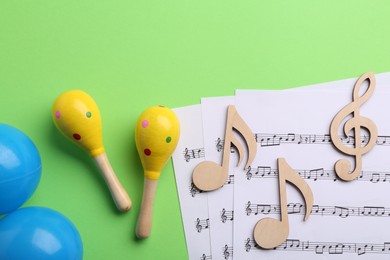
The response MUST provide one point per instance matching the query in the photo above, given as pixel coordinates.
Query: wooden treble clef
(355, 123)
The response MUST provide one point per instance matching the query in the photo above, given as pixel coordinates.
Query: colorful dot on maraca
(39, 233)
(20, 168)
(157, 133)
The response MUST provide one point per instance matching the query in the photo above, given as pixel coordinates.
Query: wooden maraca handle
(118, 193)
(144, 225)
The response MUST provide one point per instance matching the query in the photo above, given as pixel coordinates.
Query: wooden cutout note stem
(355, 123)
(269, 232)
(207, 175)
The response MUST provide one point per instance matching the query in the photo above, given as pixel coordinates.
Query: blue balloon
(39, 233)
(20, 168)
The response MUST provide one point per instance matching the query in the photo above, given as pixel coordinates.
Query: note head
(270, 233)
(208, 176)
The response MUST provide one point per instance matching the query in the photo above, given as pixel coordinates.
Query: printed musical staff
(317, 174)
(277, 139)
(332, 248)
(190, 154)
(201, 224)
(339, 211)
(227, 252)
(227, 215)
(265, 139)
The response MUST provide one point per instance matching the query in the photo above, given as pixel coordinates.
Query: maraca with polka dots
(156, 136)
(77, 117)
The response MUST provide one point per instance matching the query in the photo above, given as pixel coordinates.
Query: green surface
(129, 55)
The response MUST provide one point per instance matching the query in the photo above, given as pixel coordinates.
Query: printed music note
(337, 249)
(319, 249)
(343, 166)
(290, 243)
(374, 211)
(207, 175)
(386, 247)
(230, 179)
(294, 208)
(269, 232)
(341, 211)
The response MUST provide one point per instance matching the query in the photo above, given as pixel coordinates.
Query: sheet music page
(193, 204)
(220, 201)
(349, 220)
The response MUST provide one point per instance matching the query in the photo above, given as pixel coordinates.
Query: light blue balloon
(20, 168)
(39, 233)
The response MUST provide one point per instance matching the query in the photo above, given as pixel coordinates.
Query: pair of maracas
(77, 116)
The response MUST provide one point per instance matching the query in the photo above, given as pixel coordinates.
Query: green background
(129, 55)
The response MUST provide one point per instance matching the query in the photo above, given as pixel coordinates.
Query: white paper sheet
(349, 223)
(193, 205)
(220, 201)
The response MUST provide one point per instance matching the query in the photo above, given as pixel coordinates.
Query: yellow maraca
(156, 136)
(77, 117)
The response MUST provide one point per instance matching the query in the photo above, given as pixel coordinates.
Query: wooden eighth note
(356, 122)
(270, 233)
(207, 175)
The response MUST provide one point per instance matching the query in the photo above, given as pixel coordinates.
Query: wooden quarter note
(269, 232)
(207, 175)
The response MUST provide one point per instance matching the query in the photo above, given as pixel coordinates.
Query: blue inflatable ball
(20, 168)
(39, 233)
